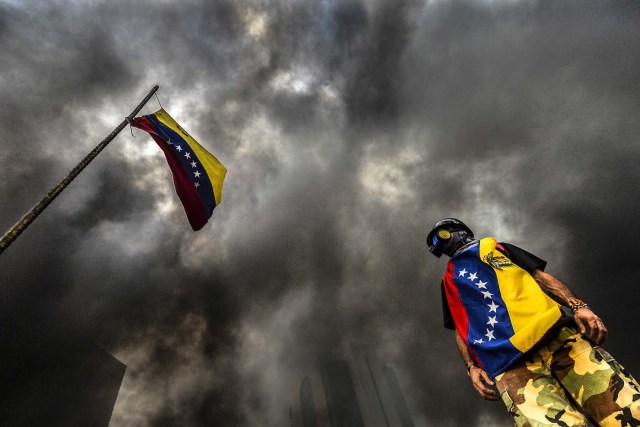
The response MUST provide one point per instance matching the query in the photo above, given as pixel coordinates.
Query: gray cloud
(348, 128)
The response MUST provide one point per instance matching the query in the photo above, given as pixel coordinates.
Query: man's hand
(585, 318)
(481, 382)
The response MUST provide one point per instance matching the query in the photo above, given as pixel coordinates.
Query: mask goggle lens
(444, 234)
(441, 238)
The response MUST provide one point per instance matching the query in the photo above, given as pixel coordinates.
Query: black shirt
(523, 259)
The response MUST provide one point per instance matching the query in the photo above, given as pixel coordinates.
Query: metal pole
(24, 222)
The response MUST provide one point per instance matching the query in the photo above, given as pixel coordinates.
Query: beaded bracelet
(575, 304)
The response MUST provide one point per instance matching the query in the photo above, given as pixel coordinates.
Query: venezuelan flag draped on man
(517, 343)
(197, 174)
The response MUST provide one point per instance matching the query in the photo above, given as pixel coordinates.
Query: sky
(348, 128)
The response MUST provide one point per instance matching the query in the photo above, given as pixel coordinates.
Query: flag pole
(24, 222)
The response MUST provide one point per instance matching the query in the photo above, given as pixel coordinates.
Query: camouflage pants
(566, 379)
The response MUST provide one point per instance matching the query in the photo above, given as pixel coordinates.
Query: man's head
(447, 236)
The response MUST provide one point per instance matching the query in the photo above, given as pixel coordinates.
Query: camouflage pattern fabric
(566, 379)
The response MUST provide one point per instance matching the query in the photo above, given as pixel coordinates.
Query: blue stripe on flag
(489, 324)
(205, 190)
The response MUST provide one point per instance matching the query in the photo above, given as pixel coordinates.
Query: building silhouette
(50, 379)
(352, 389)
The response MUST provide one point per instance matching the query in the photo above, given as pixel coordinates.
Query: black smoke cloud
(348, 128)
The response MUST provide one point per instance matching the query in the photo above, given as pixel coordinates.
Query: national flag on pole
(197, 174)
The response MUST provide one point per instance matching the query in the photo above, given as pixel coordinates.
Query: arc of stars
(493, 307)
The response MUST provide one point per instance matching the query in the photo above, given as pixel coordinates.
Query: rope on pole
(24, 222)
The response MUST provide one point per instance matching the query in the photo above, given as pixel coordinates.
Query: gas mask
(449, 241)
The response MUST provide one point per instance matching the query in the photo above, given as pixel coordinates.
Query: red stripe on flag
(188, 194)
(458, 312)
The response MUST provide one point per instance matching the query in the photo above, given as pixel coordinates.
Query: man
(512, 334)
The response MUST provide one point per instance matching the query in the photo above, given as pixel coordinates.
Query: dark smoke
(348, 128)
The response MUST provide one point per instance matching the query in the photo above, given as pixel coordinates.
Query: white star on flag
(197, 174)
(187, 155)
(489, 335)
(462, 272)
(493, 307)
(492, 321)
(193, 164)
(480, 341)
(487, 294)
(473, 276)
(197, 184)
(178, 148)
(481, 285)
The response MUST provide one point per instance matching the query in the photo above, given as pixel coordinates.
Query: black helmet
(450, 224)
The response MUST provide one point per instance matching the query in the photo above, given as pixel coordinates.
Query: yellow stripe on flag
(530, 310)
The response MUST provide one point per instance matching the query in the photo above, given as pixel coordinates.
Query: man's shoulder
(522, 258)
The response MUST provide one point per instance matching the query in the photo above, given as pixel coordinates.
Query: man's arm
(479, 377)
(583, 316)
